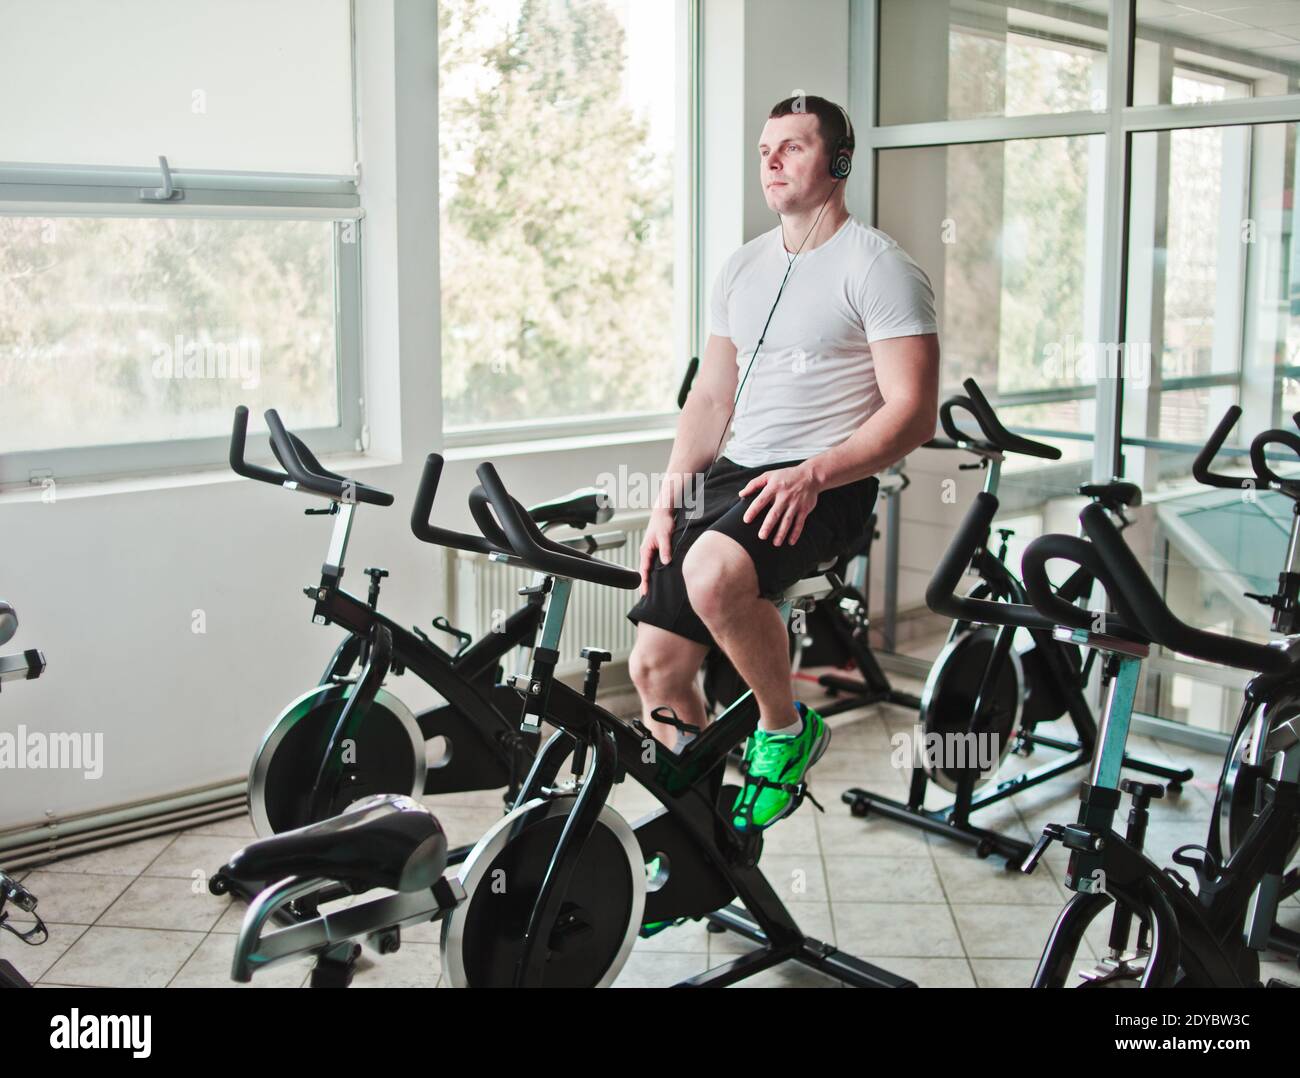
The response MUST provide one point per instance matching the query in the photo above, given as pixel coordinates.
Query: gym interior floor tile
(917, 904)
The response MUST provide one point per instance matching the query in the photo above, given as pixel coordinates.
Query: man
(827, 329)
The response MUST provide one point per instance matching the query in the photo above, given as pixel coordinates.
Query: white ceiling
(1271, 28)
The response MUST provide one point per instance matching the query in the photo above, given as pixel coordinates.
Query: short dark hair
(832, 121)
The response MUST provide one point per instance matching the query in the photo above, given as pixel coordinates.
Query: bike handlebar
(1142, 615)
(1201, 465)
(238, 438)
(1048, 610)
(426, 532)
(1127, 582)
(996, 436)
(1046, 600)
(481, 511)
(302, 471)
(688, 379)
(1264, 475)
(531, 547)
(508, 529)
(1259, 461)
(336, 488)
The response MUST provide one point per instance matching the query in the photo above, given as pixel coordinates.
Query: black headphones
(841, 160)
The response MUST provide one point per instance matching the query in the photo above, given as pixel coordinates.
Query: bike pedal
(1115, 968)
(1050, 833)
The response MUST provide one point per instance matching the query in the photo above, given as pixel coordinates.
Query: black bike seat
(388, 840)
(1113, 495)
(587, 505)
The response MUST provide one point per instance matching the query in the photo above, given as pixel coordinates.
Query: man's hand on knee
(786, 496)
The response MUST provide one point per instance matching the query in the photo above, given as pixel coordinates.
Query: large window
(962, 61)
(1102, 193)
(1212, 275)
(152, 330)
(1017, 275)
(179, 231)
(565, 203)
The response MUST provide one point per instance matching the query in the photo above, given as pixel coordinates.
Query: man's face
(793, 163)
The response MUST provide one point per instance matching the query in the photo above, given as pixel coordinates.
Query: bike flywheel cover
(482, 938)
(948, 702)
(389, 754)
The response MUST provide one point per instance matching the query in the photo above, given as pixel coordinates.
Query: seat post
(994, 474)
(1286, 600)
(331, 571)
(1117, 712)
(536, 686)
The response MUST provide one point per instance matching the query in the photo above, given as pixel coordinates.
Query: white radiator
(484, 593)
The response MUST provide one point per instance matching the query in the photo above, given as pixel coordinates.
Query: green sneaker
(774, 768)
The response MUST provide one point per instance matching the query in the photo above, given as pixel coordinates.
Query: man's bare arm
(907, 372)
(700, 426)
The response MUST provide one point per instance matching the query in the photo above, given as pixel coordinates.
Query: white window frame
(1118, 122)
(45, 191)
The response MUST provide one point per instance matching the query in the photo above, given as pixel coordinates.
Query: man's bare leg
(723, 589)
(663, 667)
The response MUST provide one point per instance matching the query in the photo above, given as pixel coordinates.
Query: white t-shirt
(814, 382)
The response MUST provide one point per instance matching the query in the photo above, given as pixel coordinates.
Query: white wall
(107, 578)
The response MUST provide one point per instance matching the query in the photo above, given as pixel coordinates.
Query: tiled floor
(919, 905)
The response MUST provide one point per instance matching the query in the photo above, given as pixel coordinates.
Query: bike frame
(450, 678)
(998, 583)
(477, 661)
(466, 682)
(686, 786)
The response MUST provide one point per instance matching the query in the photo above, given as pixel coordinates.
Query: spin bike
(984, 698)
(556, 892)
(1205, 937)
(298, 775)
(25, 667)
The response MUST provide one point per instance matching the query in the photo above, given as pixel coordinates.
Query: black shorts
(837, 524)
